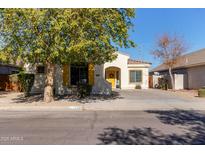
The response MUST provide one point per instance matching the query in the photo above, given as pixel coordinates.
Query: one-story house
(122, 73)
(189, 71)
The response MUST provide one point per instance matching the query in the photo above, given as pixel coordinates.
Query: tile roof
(132, 61)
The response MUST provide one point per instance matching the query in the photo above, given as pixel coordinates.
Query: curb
(41, 108)
(86, 108)
(74, 108)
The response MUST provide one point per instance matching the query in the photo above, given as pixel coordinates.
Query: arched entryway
(113, 76)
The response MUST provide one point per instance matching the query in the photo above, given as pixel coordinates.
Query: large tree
(10, 49)
(59, 36)
(169, 49)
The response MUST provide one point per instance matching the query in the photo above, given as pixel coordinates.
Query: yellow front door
(110, 76)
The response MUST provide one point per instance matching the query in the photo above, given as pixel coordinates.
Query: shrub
(84, 90)
(26, 80)
(163, 83)
(201, 92)
(138, 87)
(14, 83)
(13, 78)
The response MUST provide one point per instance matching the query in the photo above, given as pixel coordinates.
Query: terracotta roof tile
(132, 61)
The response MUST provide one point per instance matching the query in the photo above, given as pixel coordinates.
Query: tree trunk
(48, 90)
(172, 78)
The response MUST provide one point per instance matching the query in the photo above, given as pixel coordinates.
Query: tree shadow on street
(194, 122)
(180, 117)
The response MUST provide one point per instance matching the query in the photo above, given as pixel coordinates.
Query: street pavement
(102, 127)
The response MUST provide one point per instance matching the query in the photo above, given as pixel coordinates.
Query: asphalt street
(102, 127)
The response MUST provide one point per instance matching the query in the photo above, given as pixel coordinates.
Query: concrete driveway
(155, 96)
(147, 100)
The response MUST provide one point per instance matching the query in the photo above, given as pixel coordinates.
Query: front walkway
(150, 99)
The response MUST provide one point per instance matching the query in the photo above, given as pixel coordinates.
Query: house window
(40, 69)
(79, 74)
(135, 76)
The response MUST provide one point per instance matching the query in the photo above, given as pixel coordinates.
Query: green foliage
(11, 43)
(84, 90)
(201, 92)
(66, 35)
(26, 80)
(13, 78)
(163, 83)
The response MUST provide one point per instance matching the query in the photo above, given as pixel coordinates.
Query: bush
(138, 87)
(163, 83)
(201, 92)
(13, 78)
(14, 84)
(26, 80)
(84, 90)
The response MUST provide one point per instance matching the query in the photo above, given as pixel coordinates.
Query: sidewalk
(103, 106)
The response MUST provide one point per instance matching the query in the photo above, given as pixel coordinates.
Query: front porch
(113, 76)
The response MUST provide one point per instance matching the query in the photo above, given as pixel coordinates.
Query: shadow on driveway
(3, 94)
(30, 99)
(20, 98)
(90, 99)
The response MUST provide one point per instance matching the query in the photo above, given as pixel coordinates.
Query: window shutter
(91, 74)
(66, 75)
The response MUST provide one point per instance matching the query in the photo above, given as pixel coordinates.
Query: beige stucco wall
(121, 62)
(145, 77)
(196, 77)
(39, 79)
(39, 82)
(101, 86)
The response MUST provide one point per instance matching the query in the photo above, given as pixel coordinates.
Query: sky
(150, 24)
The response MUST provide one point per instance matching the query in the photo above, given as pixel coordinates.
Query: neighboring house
(189, 71)
(122, 73)
(5, 71)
